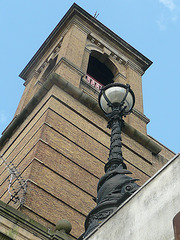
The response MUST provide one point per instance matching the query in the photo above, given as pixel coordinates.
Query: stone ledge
(55, 79)
(17, 225)
(10, 214)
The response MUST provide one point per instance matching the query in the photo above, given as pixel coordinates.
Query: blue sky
(151, 26)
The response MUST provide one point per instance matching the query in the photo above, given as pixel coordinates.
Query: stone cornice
(17, 225)
(113, 53)
(141, 116)
(76, 11)
(119, 57)
(82, 97)
(80, 26)
(135, 67)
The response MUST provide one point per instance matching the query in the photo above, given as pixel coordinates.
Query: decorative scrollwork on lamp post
(116, 100)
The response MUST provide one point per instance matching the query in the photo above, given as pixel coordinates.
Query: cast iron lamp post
(116, 100)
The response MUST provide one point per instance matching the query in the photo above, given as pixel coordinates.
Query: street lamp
(116, 96)
(116, 100)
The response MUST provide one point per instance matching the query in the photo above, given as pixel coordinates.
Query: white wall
(149, 213)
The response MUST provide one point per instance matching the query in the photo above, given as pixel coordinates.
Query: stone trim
(9, 215)
(45, 63)
(119, 75)
(4, 237)
(119, 57)
(69, 64)
(77, 23)
(91, 46)
(134, 67)
(141, 116)
(87, 50)
(17, 225)
(83, 98)
(88, 85)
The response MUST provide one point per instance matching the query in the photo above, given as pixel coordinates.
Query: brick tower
(58, 140)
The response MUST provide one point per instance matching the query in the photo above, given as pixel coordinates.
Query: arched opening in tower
(99, 71)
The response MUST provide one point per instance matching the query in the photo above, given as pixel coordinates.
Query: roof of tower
(76, 10)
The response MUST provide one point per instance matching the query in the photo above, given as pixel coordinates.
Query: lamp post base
(113, 189)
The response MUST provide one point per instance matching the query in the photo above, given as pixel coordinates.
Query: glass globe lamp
(116, 96)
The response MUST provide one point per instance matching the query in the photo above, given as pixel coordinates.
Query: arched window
(99, 71)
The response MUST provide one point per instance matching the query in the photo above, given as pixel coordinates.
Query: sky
(150, 26)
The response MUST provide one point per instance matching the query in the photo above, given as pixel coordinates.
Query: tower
(58, 139)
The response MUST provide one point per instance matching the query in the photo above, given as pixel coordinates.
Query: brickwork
(62, 145)
(61, 151)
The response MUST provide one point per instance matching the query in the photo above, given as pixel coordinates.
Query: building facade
(54, 150)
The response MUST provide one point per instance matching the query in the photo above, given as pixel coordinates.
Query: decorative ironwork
(17, 185)
(115, 186)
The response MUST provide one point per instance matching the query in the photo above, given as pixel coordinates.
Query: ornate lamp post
(116, 100)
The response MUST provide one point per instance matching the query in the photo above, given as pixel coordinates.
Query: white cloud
(169, 16)
(169, 4)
